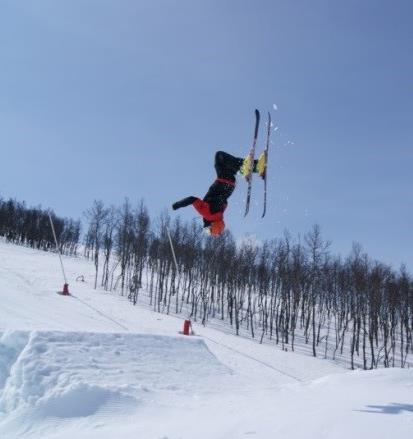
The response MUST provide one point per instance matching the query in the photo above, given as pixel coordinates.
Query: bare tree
(97, 216)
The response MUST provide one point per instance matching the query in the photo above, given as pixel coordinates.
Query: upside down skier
(214, 203)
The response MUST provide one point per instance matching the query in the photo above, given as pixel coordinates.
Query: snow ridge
(12, 346)
(75, 374)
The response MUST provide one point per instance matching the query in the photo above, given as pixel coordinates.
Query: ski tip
(257, 113)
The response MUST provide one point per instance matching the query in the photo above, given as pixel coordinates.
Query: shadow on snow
(390, 409)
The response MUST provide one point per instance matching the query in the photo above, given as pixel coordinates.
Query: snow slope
(95, 365)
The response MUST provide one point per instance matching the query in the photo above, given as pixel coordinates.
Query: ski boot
(260, 165)
(245, 169)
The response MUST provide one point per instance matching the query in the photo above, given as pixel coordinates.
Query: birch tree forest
(291, 292)
(30, 226)
(288, 291)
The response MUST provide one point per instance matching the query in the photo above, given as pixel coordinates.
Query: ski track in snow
(94, 365)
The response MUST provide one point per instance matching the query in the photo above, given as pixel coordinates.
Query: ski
(264, 176)
(251, 155)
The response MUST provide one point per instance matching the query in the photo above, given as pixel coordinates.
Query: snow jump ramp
(66, 375)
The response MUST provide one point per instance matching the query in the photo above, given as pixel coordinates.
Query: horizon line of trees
(30, 226)
(291, 291)
(282, 290)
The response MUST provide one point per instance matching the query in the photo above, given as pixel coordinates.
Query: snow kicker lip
(12, 344)
(75, 374)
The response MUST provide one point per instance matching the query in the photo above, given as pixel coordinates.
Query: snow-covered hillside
(94, 365)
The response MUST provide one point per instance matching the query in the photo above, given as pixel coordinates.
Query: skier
(213, 205)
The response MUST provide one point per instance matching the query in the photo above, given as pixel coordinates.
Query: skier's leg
(226, 165)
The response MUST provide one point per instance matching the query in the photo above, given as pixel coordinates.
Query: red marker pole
(187, 326)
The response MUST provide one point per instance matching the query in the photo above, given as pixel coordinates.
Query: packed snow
(94, 365)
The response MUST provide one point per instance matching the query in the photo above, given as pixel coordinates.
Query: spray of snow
(249, 240)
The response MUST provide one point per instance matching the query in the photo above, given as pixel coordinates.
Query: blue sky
(112, 99)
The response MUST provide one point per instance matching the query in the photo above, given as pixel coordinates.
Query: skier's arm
(183, 203)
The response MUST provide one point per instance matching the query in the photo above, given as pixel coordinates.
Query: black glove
(183, 203)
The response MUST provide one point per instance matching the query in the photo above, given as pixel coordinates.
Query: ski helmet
(217, 227)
